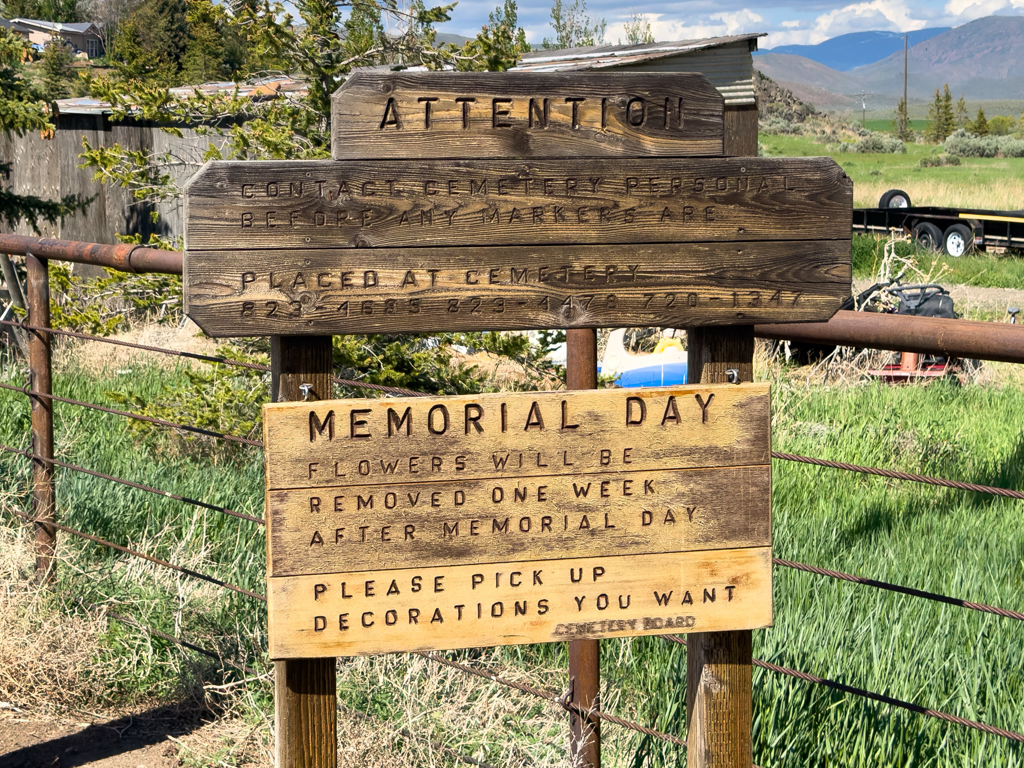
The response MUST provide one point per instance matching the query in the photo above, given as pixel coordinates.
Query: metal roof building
(726, 61)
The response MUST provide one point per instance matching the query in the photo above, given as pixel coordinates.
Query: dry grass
(99, 357)
(1007, 194)
(48, 660)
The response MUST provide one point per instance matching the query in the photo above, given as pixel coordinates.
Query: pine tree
(901, 123)
(500, 44)
(940, 115)
(948, 120)
(960, 117)
(979, 126)
(57, 72)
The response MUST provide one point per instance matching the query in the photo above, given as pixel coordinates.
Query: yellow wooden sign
(428, 523)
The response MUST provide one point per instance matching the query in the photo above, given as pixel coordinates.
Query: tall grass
(962, 544)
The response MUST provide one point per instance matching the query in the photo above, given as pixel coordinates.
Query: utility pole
(863, 109)
(906, 107)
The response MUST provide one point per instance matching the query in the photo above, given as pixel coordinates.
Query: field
(951, 542)
(994, 183)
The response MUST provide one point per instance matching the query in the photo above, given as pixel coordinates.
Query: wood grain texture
(719, 694)
(672, 434)
(305, 690)
(565, 599)
(494, 521)
(417, 290)
(305, 707)
(473, 202)
(517, 114)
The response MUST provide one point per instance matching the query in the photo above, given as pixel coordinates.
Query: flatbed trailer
(954, 231)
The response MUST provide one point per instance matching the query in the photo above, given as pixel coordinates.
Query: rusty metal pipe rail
(124, 256)
(924, 335)
(901, 333)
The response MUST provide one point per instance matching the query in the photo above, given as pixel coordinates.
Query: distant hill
(856, 49)
(451, 37)
(981, 59)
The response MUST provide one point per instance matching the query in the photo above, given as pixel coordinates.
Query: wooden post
(305, 690)
(719, 664)
(584, 655)
(44, 494)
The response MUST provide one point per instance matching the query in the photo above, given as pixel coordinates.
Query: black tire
(894, 198)
(928, 236)
(957, 241)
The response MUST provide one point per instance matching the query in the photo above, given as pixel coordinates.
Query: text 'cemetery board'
(507, 235)
(430, 523)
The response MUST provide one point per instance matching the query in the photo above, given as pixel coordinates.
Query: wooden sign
(525, 115)
(428, 523)
(389, 247)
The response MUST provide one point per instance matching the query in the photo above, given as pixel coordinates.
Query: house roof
(17, 27)
(59, 26)
(602, 56)
(725, 61)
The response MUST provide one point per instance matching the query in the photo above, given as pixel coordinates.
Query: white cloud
(968, 10)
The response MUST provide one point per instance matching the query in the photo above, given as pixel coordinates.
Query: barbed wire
(205, 358)
(136, 553)
(897, 588)
(900, 475)
(128, 414)
(879, 697)
(554, 698)
(131, 484)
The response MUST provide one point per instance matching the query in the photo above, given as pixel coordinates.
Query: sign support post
(719, 665)
(584, 655)
(305, 690)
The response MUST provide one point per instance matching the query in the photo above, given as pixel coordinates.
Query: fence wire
(879, 697)
(205, 358)
(902, 590)
(900, 475)
(128, 414)
(131, 484)
(143, 555)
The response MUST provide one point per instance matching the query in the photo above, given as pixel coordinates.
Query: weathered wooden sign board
(508, 235)
(424, 523)
(525, 115)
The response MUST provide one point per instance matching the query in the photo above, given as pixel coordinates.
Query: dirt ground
(139, 741)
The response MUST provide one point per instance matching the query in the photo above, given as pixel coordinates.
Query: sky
(786, 21)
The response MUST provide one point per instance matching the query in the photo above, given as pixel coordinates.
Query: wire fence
(563, 700)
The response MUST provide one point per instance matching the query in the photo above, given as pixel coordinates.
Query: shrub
(967, 144)
(937, 161)
(1009, 147)
(779, 125)
(876, 143)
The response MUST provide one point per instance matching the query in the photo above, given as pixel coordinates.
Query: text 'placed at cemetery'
(400, 246)
(528, 115)
(447, 522)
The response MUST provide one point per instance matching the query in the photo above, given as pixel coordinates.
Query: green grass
(886, 125)
(996, 183)
(977, 269)
(962, 544)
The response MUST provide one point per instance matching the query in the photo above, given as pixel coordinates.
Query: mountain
(856, 49)
(451, 37)
(982, 59)
(809, 81)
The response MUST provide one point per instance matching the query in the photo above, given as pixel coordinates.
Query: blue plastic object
(654, 376)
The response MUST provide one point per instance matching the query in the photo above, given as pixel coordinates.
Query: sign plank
(481, 245)
(404, 513)
(452, 203)
(361, 442)
(433, 608)
(528, 518)
(528, 115)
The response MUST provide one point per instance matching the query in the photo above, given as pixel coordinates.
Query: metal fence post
(44, 495)
(305, 690)
(719, 665)
(584, 655)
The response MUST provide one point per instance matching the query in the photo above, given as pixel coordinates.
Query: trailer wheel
(957, 241)
(928, 236)
(894, 198)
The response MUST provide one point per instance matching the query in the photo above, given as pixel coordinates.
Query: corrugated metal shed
(268, 87)
(725, 61)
